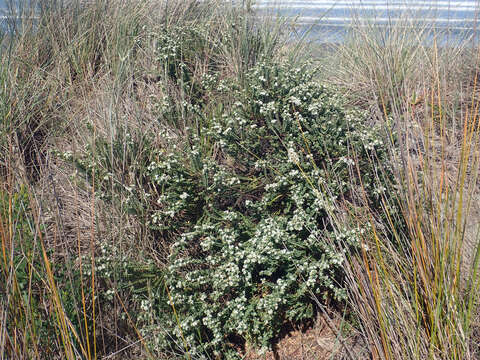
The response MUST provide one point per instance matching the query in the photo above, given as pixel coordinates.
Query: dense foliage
(246, 205)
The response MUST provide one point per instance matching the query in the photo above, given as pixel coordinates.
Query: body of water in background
(459, 16)
(445, 13)
(3, 6)
(330, 19)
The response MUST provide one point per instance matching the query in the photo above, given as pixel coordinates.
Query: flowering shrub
(178, 51)
(246, 206)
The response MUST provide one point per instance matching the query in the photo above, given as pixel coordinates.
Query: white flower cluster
(251, 215)
(292, 155)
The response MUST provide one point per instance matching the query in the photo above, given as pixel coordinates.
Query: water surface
(330, 19)
(455, 15)
(451, 13)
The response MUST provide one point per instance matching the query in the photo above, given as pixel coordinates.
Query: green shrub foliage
(246, 206)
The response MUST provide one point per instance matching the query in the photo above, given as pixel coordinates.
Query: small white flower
(292, 155)
(295, 101)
